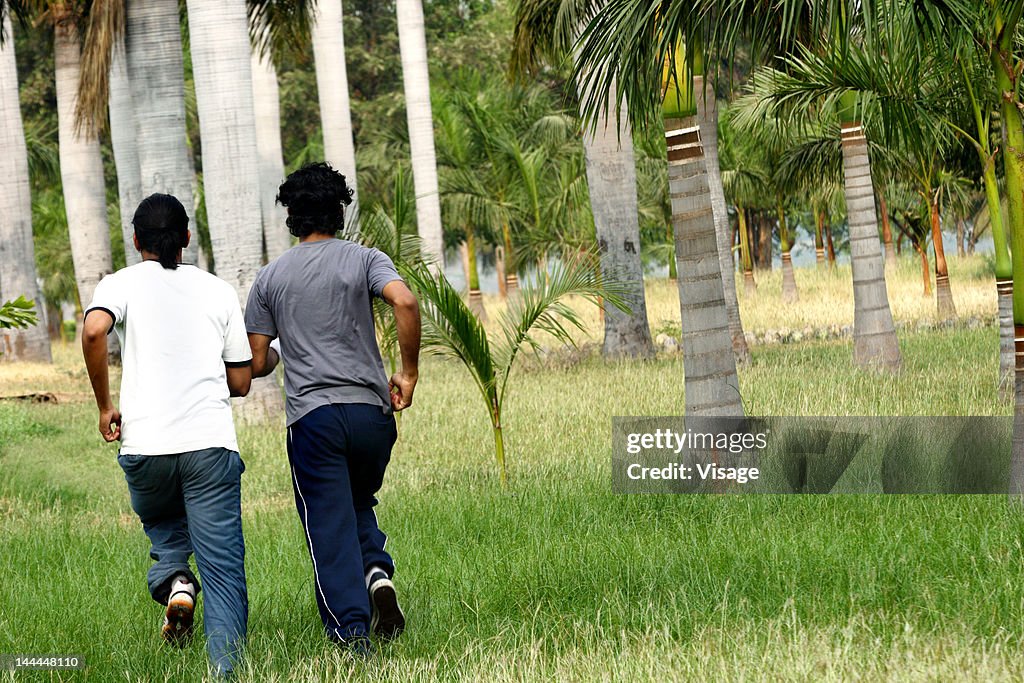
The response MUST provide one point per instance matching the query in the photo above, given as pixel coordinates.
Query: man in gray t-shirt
(317, 299)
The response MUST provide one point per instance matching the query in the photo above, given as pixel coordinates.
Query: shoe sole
(178, 627)
(388, 621)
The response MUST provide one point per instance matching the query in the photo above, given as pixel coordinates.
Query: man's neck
(150, 256)
(315, 237)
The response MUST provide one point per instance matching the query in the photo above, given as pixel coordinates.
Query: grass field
(554, 578)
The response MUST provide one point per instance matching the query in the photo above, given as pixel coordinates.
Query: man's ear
(188, 238)
(135, 241)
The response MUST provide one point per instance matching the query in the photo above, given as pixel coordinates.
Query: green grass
(554, 578)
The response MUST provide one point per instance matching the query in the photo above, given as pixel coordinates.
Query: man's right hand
(402, 385)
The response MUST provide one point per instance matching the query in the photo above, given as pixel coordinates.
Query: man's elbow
(406, 302)
(93, 336)
(240, 389)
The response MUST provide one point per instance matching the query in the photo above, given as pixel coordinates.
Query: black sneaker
(359, 647)
(386, 618)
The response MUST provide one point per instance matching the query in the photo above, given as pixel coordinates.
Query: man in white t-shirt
(184, 353)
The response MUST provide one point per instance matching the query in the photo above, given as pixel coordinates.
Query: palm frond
(452, 330)
(542, 307)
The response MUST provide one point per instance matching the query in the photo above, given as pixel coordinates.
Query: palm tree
(543, 35)
(416, 78)
(267, 106)
(629, 41)
(124, 140)
(17, 253)
(156, 72)
(328, 34)
(221, 63)
(452, 331)
(81, 163)
(711, 383)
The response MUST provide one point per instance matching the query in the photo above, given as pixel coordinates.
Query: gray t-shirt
(317, 298)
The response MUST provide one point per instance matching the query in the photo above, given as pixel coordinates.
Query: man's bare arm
(407, 323)
(264, 358)
(94, 347)
(239, 379)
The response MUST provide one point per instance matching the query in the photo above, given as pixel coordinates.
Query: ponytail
(161, 225)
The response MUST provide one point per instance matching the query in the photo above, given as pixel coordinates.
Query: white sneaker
(181, 603)
(386, 618)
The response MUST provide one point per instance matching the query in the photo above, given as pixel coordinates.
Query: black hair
(161, 225)
(316, 196)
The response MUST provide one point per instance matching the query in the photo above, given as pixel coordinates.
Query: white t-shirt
(178, 329)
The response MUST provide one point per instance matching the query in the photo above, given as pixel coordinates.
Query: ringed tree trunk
(81, 170)
(157, 76)
(511, 266)
(790, 295)
(890, 253)
(611, 179)
(124, 139)
(926, 273)
(17, 251)
(227, 122)
(332, 90)
(819, 242)
(276, 239)
(764, 242)
(707, 116)
(412, 41)
(499, 267)
(1005, 66)
(476, 298)
(960, 238)
(827, 227)
(874, 335)
(943, 294)
(749, 285)
(711, 384)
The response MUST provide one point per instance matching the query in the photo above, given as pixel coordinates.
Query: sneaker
(386, 618)
(181, 603)
(359, 647)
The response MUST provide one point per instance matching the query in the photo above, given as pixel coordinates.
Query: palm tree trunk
(874, 335)
(222, 72)
(611, 179)
(511, 266)
(157, 75)
(276, 239)
(749, 285)
(943, 293)
(819, 243)
(499, 266)
(707, 116)
(827, 227)
(1004, 292)
(890, 253)
(711, 384)
(790, 295)
(412, 41)
(764, 242)
(925, 270)
(81, 170)
(124, 139)
(960, 238)
(332, 90)
(17, 251)
(476, 298)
